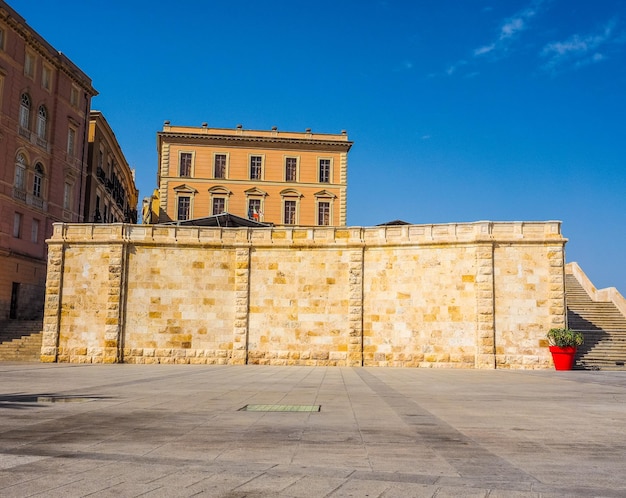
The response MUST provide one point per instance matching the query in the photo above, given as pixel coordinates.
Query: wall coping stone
(428, 234)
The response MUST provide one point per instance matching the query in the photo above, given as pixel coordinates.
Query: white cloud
(509, 29)
(579, 50)
(484, 50)
(507, 33)
(454, 67)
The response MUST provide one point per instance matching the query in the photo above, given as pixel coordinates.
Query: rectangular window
(74, 97)
(46, 77)
(71, 141)
(67, 196)
(97, 217)
(34, 231)
(29, 65)
(20, 178)
(291, 169)
(255, 167)
(323, 213)
(1, 39)
(219, 166)
(324, 170)
(219, 205)
(184, 208)
(25, 114)
(290, 212)
(185, 164)
(254, 209)
(17, 225)
(41, 124)
(37, 186)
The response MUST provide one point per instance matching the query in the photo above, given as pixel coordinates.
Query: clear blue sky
(470, 110)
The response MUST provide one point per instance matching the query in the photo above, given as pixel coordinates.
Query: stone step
(26, 348)
(14, 329)
(602, 324)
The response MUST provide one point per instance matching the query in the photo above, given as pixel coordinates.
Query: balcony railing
(42, 142)
(24, 132)
(35, 201)
(101, 175)
(19, 194)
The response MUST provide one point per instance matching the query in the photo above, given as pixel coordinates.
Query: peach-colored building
(44, 112)
(110, 195)
(283, 178)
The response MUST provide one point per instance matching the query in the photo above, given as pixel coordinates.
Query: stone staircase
(20, 340)
(603, 325)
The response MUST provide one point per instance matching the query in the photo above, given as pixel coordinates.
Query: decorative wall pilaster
(242, 306)
(355, 313)
(485, 308)
(113, 330)
(52, 304)
(556, 261)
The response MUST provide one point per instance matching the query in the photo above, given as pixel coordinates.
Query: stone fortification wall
(472, 295)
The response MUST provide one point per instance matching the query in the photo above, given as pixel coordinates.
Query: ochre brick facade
(473, 295)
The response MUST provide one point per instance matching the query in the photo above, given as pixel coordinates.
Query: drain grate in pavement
(281, 408)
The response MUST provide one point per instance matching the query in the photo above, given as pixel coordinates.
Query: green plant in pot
(563, 344)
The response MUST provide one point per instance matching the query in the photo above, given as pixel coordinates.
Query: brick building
(110, 194)
(283, 178)
(44, 111)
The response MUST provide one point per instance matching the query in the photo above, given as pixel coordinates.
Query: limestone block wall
(179, 305)
(472, 295)
(420, 307)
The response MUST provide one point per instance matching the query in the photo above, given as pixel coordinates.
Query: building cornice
(41, 46)
(255, 141)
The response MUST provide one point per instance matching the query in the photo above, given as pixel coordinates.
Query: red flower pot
(563, 357)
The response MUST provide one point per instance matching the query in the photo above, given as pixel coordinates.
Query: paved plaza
(179, 430)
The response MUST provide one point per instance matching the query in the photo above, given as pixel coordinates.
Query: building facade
(110, 195)
(283, 178)
(44, 110)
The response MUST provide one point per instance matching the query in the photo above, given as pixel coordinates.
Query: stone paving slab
(178, 431)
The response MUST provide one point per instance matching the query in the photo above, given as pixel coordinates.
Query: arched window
(25, 111)
(42, 120)
(20, 172)
(38, 180)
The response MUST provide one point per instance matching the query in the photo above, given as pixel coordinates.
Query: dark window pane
(290, 212)
(184, 205)
(324, 170)
(255, 167)
(323, 213)
(185, 164)
(291, 165)
(254, 209)
(219, 205)
(219, 170)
